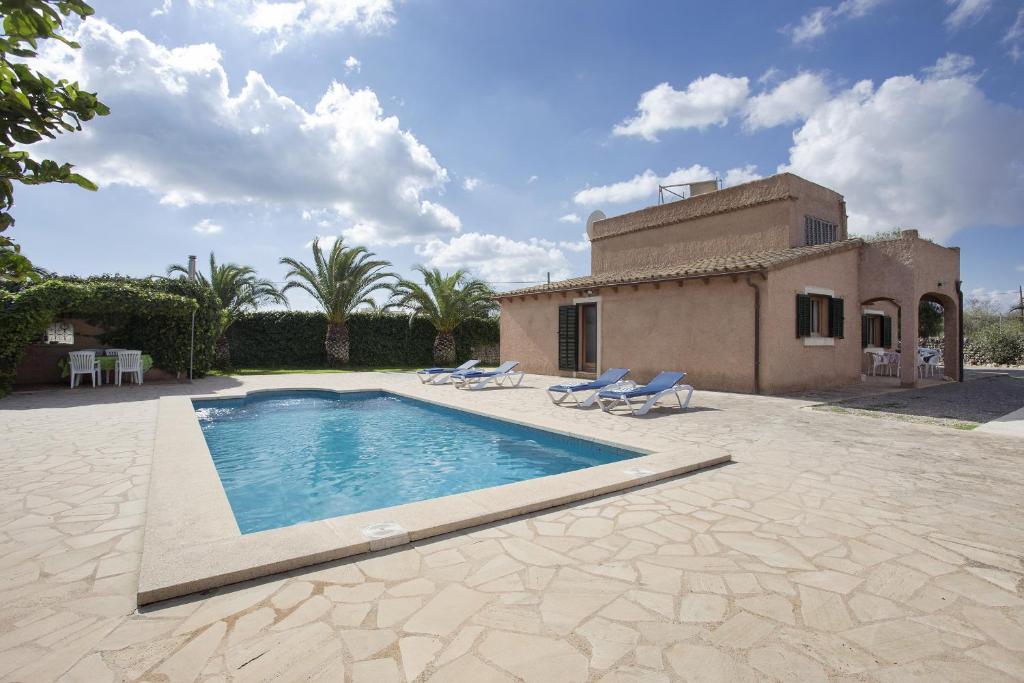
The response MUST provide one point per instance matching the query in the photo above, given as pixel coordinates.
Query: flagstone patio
(834, 547)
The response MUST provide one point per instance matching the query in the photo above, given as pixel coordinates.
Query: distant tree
(446, 300)
(1018, 309)
(929, 319)
(340, 281)
(980, 314)
(238, 291)
(33, 107)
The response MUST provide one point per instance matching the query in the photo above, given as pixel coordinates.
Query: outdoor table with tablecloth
(107, 363)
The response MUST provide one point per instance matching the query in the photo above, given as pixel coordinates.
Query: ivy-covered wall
(152, 315)
(296, 339)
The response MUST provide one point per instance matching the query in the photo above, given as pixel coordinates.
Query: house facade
(755, 288)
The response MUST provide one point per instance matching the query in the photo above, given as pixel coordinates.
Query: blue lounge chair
(478, 379)
(440, 375)
(561, 392)
(665, 384)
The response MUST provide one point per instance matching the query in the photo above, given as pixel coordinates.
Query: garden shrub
(152, 315)
(1000, 343)
(296, 339)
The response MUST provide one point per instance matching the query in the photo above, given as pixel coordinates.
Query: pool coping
(192, 542)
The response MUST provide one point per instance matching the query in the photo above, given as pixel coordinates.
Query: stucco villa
(755, 288)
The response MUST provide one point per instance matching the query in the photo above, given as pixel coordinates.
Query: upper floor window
(819, 231)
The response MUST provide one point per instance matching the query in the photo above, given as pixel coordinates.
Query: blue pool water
(289, 457)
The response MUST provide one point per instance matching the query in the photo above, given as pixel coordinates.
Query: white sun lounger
(478, 379)
(441, 375)
(665, 384)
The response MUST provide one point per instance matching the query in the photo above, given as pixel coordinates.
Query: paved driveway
(835, 547)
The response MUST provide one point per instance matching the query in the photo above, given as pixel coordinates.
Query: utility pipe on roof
(757, 335)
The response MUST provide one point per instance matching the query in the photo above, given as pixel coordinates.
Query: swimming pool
(287, 457)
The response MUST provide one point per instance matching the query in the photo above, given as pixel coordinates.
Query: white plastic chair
(892, 359)
(928, 362)
(130, 362)
(83, 363)
(879, 362)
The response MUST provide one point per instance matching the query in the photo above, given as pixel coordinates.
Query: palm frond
(340, 280)
(445, 299)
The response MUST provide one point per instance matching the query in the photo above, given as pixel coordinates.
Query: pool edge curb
(192, 548)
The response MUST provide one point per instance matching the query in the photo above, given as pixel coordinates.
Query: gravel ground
(980, 400)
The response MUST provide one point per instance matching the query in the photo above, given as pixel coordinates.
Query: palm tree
(446, 300)
(339, 282)
(238, 291)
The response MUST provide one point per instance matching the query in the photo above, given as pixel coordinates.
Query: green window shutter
(886, 332)
(865, 330)
(568, 338)
(803, 315)
(836, 320)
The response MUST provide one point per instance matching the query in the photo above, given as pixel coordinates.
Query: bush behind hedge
(1000, 343)
(296, 339)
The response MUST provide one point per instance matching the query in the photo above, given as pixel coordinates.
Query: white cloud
(282, 20)
(706, 101)
(821, 20)
(469, 183)
(950, 66)
(1014, 38)
(353, 65)
(582, 245)
(645, 185)
(743, 174)
(570, 218)
(326, 242)
(935, 154)
(531, 180)
(789, 101)
(498, 259)
(207, 227)
(966, 12)
(1002, 300)
(178, 131)
(164, 8)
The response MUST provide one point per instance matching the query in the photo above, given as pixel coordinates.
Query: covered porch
(896, 276)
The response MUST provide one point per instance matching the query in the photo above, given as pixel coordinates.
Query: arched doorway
(938, 336)
(880, 325)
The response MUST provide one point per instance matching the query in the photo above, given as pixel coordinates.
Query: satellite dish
(593, 218)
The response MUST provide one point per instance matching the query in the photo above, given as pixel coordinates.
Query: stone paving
(833, 548)
(985, 397)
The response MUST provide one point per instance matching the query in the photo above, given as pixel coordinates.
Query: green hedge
(152, 315)
(296, 339)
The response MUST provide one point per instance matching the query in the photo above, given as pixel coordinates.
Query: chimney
(191, 267)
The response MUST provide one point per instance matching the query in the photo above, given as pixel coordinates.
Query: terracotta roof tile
(719, 265)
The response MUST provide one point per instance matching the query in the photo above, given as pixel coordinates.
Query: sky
(480, 135)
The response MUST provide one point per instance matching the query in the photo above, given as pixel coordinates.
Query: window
(588, 337)
(876, 330)
(818, 315)
(819, 231)
(578, 336)
(60, 333)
